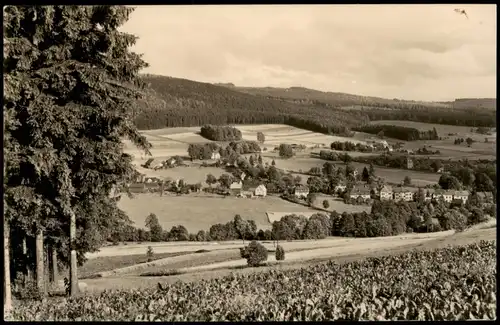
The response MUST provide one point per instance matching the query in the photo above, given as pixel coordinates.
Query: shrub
(150, 254)
(280, 253)
(255, 253)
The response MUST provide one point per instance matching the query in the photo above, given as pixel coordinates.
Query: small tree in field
(280, 253)
(285, 150)
(211, 180)
(261, 137)
(150, 254)
(407, 180)
(255, 253)
(326, 204)
(311, 197)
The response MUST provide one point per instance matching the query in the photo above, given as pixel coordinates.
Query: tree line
(399, 132)
(220, 133)
(386, 218)
(350, 146)
(231, 152)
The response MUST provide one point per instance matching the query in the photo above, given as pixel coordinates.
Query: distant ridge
(302, 93)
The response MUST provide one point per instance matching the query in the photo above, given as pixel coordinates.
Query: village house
(246, 194)
(362, 191)
(386, 193)
(261, 191)
(215, 155)
(236, 187)
(461, 195)
(404, 193)
(447, 196)
(409, 163)
(301, 191)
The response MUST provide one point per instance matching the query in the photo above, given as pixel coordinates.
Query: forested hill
(467, 112)
(335, 99)
(171, 102)
(488, 103)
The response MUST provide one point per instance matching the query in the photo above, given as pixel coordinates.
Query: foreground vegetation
(446, 284)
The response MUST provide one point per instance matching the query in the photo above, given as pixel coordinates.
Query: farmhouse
(301, 191)
(386, 193)
(461, 195)
(246, 194)
(215, 155)
(236, 187)
(447, 196)
(261, 191)
(360, 192)
(409, 163)
(404, 194)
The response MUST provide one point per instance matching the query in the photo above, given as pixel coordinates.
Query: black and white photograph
(248, 163)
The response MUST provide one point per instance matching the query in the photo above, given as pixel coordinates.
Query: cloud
(413, 51)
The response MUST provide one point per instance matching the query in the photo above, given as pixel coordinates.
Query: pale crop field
(200, 211)
(277, 134)
(442, 130)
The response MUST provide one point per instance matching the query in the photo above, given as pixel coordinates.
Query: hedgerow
(454, 283)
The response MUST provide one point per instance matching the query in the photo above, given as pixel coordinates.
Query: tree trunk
(54, 264)
(7, 302)
(72, 268)
(40, 271)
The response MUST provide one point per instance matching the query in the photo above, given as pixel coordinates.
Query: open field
(442, 129)
(478, 150)
(200, 211)
(393, 175)
(278, 133)
(345, 250)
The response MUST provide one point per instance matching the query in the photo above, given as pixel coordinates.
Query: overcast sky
(421, 52)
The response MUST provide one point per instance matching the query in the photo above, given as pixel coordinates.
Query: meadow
(201, 211)
(448, 150)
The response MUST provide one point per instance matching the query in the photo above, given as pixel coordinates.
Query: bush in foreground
(280, 253)
(454, 283)
(255, 253)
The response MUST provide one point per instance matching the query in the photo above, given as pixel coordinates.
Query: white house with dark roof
(446, 195)
(301, 191)
(386, 193)
(260, 190)
(361, 191)
(404, 193)
(461, 195)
